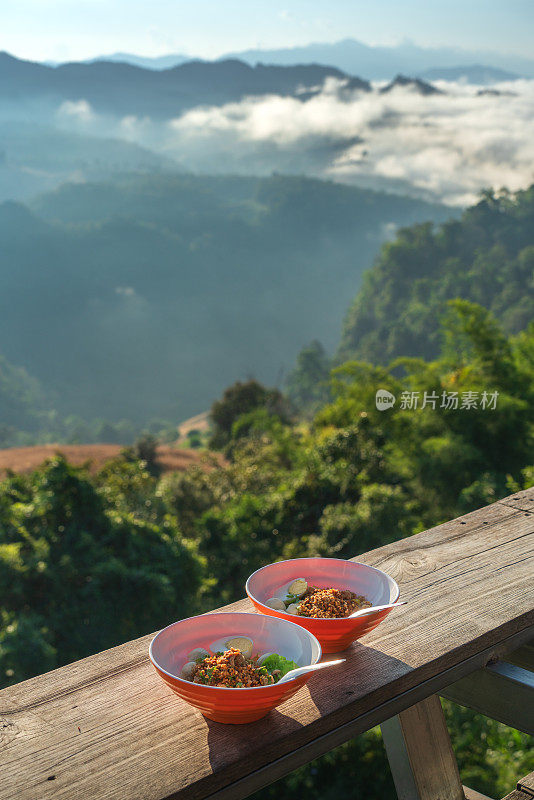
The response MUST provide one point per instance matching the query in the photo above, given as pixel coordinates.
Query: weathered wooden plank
(523, 500)
(517, 794)
(107, 727)
(420, 753)
(526, 784)
(471, 794)
(316, 747)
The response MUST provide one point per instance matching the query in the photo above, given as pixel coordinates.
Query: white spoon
(362, 612)
(296, 673)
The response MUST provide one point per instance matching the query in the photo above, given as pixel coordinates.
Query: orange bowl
(334, 635)
(169, 648)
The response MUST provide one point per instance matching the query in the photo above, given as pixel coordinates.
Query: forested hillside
(36, 158)
(127, 552)
(487, 257)
(348, 478)
(147, 295)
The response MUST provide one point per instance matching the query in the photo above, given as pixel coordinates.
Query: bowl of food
(319, 594)
(228, 665)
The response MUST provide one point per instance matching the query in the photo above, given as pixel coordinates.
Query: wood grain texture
(420, 753)
(471, 794)
(107, 727)
(526, 784)
(523, 501)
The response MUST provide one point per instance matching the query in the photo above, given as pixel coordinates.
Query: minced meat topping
(232, 670)
(329, 603)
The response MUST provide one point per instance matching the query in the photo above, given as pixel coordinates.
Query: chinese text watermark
(450, 401)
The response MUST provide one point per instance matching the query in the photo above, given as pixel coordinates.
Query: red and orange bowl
(169, 648)
(334, 635)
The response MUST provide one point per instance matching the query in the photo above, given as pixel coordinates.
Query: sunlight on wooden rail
(107, 727)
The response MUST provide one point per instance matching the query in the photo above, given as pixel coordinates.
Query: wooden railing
(108, 727)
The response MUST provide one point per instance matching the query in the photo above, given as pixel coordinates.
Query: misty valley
(166, 232)
(272, 306)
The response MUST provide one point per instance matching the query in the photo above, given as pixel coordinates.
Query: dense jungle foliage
(487, 257)
(88, 561)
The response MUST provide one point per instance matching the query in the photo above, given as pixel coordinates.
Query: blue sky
(72, 29)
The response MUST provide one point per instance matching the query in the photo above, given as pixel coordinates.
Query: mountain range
(373, 62)
(230, 117)
(119, 88)
(383, 62)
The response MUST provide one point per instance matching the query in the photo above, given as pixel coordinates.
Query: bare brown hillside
(200, 422)
(26, 459)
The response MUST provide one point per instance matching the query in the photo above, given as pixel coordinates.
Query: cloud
(445, 146)
(79, 110)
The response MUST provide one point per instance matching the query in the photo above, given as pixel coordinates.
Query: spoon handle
(324, 664)
(296, 673)
(365, 611)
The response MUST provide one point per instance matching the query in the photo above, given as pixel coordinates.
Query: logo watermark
(450, 401)
(384, 399)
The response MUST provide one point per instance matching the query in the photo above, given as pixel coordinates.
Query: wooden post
(420, 753)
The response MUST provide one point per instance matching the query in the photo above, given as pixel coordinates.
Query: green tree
(308, 385)
(240, 399)
(82, 570)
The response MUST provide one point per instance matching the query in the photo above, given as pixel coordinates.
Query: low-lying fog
(444, 146)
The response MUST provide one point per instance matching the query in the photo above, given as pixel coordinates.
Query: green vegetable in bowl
(276, 662)
(291, 598)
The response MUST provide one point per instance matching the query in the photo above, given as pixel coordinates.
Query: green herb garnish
(277, 662)
(291, 598)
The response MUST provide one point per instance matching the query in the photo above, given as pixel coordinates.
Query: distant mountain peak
(403, 81)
